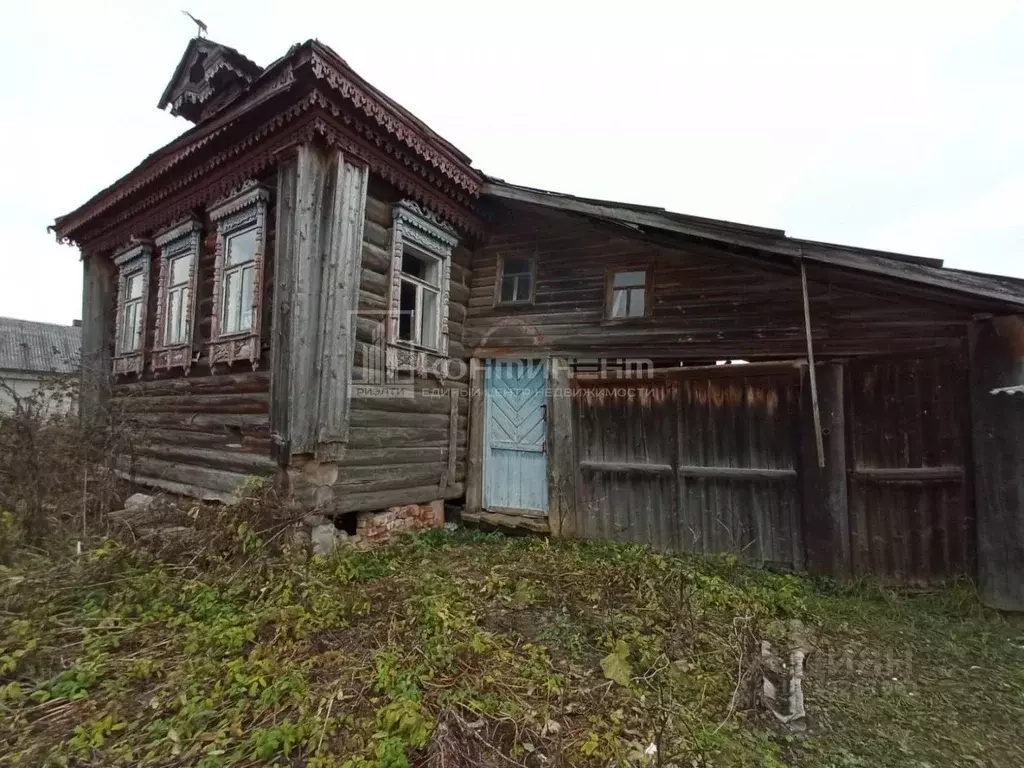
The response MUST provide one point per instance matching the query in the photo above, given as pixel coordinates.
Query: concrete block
(323, 538)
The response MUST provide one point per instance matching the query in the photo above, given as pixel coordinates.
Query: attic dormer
(208, 76)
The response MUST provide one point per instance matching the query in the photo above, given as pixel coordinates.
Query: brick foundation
(380, 526)
(376, 527)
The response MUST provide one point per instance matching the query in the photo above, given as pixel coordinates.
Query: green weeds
(468, 649)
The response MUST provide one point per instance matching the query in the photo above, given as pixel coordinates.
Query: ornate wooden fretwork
(134, 259)
(180, 240)
(339, 109)
(418, 227)
(244, 208)
(392, 121)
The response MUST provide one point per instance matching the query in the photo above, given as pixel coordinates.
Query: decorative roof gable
(208, 76)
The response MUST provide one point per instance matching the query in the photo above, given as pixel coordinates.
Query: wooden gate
(910, 505)
(701, 461)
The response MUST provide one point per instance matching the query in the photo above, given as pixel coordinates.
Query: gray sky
(895, 125)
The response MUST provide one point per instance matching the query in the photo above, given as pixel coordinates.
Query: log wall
(202, 434)
(407, 440)
(706, 303)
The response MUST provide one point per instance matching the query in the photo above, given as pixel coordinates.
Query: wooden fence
(724, 459)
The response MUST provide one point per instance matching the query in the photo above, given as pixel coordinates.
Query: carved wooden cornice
(395, 123)
(313, 116)
(343, 111)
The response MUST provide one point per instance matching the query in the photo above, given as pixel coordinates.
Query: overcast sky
(897, 125)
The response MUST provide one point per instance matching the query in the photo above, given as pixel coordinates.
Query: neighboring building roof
(39, 347)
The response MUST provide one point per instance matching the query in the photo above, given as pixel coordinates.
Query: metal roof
(39, 347)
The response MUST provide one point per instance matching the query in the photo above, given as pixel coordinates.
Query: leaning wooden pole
(810, 367)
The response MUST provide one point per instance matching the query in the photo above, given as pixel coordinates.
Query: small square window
(516, 286)
(627, 295)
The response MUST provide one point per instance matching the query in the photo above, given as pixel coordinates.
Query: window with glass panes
(178, 299)
(131, 313)
(627, 295)
(238, 281)
(516, 280)
(419, 319)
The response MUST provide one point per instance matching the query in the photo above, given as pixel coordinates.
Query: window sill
(414, 347)
(405, 358)
(612, 321)
(235, 335)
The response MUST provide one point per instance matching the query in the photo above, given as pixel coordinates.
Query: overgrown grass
(460, 649)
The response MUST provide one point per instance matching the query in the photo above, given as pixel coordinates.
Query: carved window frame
(133, 260)
(419, 230)
(245, 209)
(183, 239)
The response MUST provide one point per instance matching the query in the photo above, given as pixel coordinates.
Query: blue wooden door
(515, 463)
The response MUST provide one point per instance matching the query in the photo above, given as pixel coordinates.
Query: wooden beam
(304, 382)
(810, 366)
(824, 498)
(453, 437)
(475, 464)
(280, 345)
(736, 473)
(909, 474)
(345, 204)
(623, 466)
(561, 472)
(99, 280)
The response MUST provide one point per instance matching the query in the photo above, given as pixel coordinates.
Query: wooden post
(826, 516)
(99, 296)
(305, 250)
(561, 468)
(475, 463)
(997, 430)
(280, 356)
(453, 437)
(345, 204)
(810, 366)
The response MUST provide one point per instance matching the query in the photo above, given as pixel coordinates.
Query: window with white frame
(132, 297)
(131, 319)
(179, 298)
(179, 263)
(238, 281)
(238, 275)
(419, 320)
(422, 245)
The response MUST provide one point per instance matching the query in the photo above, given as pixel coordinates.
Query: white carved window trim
(425, 234)
(179, 241)
(131, 262)
(242, 211)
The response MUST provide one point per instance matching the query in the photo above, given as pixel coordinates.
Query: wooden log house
(312, 285)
